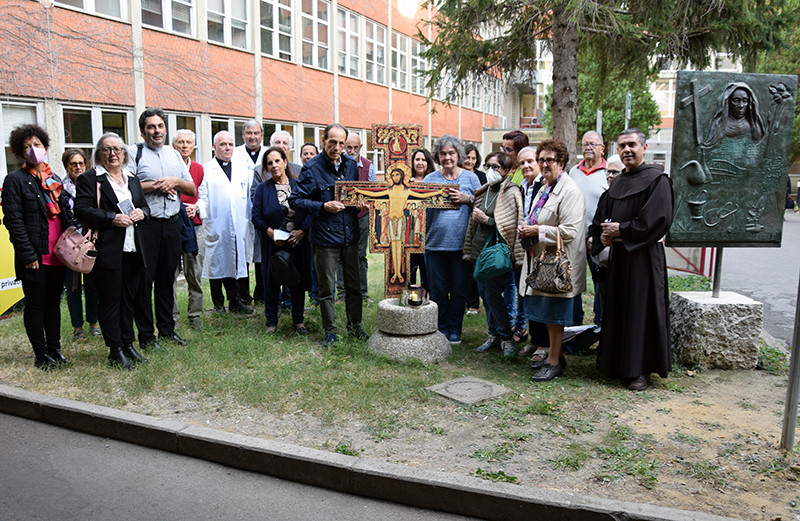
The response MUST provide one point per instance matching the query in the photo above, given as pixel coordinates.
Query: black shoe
(639, 383)
(548, 372)
(238, 307)
(45, 362)
(117, 358)
(56, 355)
(358, 333)
(330, 339)
(174, 338)
(541, 363)
(132, 354)
(247, 299)
(219, 309)
(151, 344)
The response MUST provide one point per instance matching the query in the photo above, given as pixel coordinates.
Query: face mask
(35, 155)
(491, 172)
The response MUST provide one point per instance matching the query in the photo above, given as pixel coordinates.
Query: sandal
(520, 335)
(540, 356)
(529, 349)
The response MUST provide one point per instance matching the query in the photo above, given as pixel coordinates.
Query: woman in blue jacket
(281, 229)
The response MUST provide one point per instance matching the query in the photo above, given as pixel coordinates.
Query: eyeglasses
(507, 150)
(546, 160)
(591, 145)
(492, 165)
(613, 173)
(108, 150)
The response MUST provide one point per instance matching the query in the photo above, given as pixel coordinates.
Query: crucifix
(397, 141)
(396, 217)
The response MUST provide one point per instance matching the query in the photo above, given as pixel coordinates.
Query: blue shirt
(447, 228)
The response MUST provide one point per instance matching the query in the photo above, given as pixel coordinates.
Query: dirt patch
(710, 441)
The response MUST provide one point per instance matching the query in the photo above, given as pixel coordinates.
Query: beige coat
(565, 209)
(507, 217)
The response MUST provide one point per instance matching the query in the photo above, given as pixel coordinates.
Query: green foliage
(573, 459)
(689, 283)
(772, 360)
(498, 476)
(624, 452)
(689, 439)
(343, 448)
(605, 88)
(703, 471)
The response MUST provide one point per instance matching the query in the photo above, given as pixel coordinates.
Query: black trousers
(42, 316)
(258, 291)
(162, 250)
(116, 298)
(231, 288)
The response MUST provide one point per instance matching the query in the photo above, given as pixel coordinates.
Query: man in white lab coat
(224, 206)
(251, 154)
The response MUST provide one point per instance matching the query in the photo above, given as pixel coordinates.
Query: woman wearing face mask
(498, 209)
(76, 163)
(36, 212)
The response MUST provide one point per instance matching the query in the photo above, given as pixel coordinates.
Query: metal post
(717, 274)
(793, 391)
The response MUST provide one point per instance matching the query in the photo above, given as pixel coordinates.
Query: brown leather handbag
(551, 271)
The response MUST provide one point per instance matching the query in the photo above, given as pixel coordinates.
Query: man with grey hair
(183, 142)
(162, 174)
(284, 140)
(250, 154)
(590, 176)
(334, 229)
(224, 205)
(631, 219)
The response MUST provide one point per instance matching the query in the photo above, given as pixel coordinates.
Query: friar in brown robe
(632, 216)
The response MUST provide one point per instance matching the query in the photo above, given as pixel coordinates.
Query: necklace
(486, 202)
(120, 181)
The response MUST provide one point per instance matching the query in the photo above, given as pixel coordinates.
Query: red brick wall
(296, 93)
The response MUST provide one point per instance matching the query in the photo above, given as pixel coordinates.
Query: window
(177, 122)
(399, 61)
(487, 100)
(172, 15)
(83, 126)
(376, 156)
(375, 55)
(228, 22)
(276, 28)
(497, 108)
(476, 94)
(106, 7)
(418, 66)
(315, 33)
(11, 117)
(349, 32)
(271, 128)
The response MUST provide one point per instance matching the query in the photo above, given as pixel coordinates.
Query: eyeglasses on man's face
(546, 160)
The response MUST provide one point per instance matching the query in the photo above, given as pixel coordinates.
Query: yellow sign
(10, 289)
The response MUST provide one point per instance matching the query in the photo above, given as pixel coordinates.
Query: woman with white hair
(448, 274)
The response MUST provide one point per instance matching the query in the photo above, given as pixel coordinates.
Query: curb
(456, 494)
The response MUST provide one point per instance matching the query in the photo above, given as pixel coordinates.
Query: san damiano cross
(397, 211)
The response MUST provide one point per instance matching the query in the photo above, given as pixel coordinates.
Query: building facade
(84, 67)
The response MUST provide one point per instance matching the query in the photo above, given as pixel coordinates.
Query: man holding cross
(334, 229)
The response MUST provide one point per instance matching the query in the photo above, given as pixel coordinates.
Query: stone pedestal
(715, 333)
(406, 333)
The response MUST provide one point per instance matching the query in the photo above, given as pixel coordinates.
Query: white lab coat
(225, 207)
(240, 155)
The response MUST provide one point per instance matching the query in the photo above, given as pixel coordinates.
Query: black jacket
(26, 219)
(315, 188)
(110, 238)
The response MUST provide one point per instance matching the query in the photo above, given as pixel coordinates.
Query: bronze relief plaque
(730, 155)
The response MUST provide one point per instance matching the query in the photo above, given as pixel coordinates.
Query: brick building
(84, 67)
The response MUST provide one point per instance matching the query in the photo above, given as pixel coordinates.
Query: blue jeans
(272, 294)
(74, 303)
(519, 317)
(498, 295)
(448, 277)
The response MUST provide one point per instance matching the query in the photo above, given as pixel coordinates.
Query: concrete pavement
(137, 493)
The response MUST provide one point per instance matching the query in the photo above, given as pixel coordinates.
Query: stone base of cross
(396, 218)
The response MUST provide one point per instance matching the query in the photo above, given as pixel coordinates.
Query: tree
(625, 35)
(785, 61)
(607, 91)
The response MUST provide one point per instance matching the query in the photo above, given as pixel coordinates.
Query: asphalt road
(769, 275)
(50, 473)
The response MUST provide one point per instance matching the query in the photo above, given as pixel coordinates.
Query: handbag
(551, 271)
(76, 248)
(494, 260)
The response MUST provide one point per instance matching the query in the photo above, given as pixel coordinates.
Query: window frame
(417, 79)
(379, 49)
(90, 6)
(400, 55)
(315, 45)
(277, 31)
(228, 24)
(350, 50)
(168, 16)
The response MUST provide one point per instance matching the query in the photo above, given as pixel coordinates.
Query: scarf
(50, 187)
(533, 216)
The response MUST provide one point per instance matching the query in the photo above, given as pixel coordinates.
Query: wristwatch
(471, 200)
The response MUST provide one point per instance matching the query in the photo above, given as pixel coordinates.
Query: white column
(255, 40)
(334, 29)
(137, 53)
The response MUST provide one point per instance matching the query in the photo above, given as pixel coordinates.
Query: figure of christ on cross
(396, 195)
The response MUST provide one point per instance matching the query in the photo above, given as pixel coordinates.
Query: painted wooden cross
(396, 218)
(398, 141)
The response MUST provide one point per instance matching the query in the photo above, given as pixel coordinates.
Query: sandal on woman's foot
(529, 349)
(520, 335)
(540, 356)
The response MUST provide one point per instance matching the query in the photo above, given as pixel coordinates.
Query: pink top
(53, 235)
